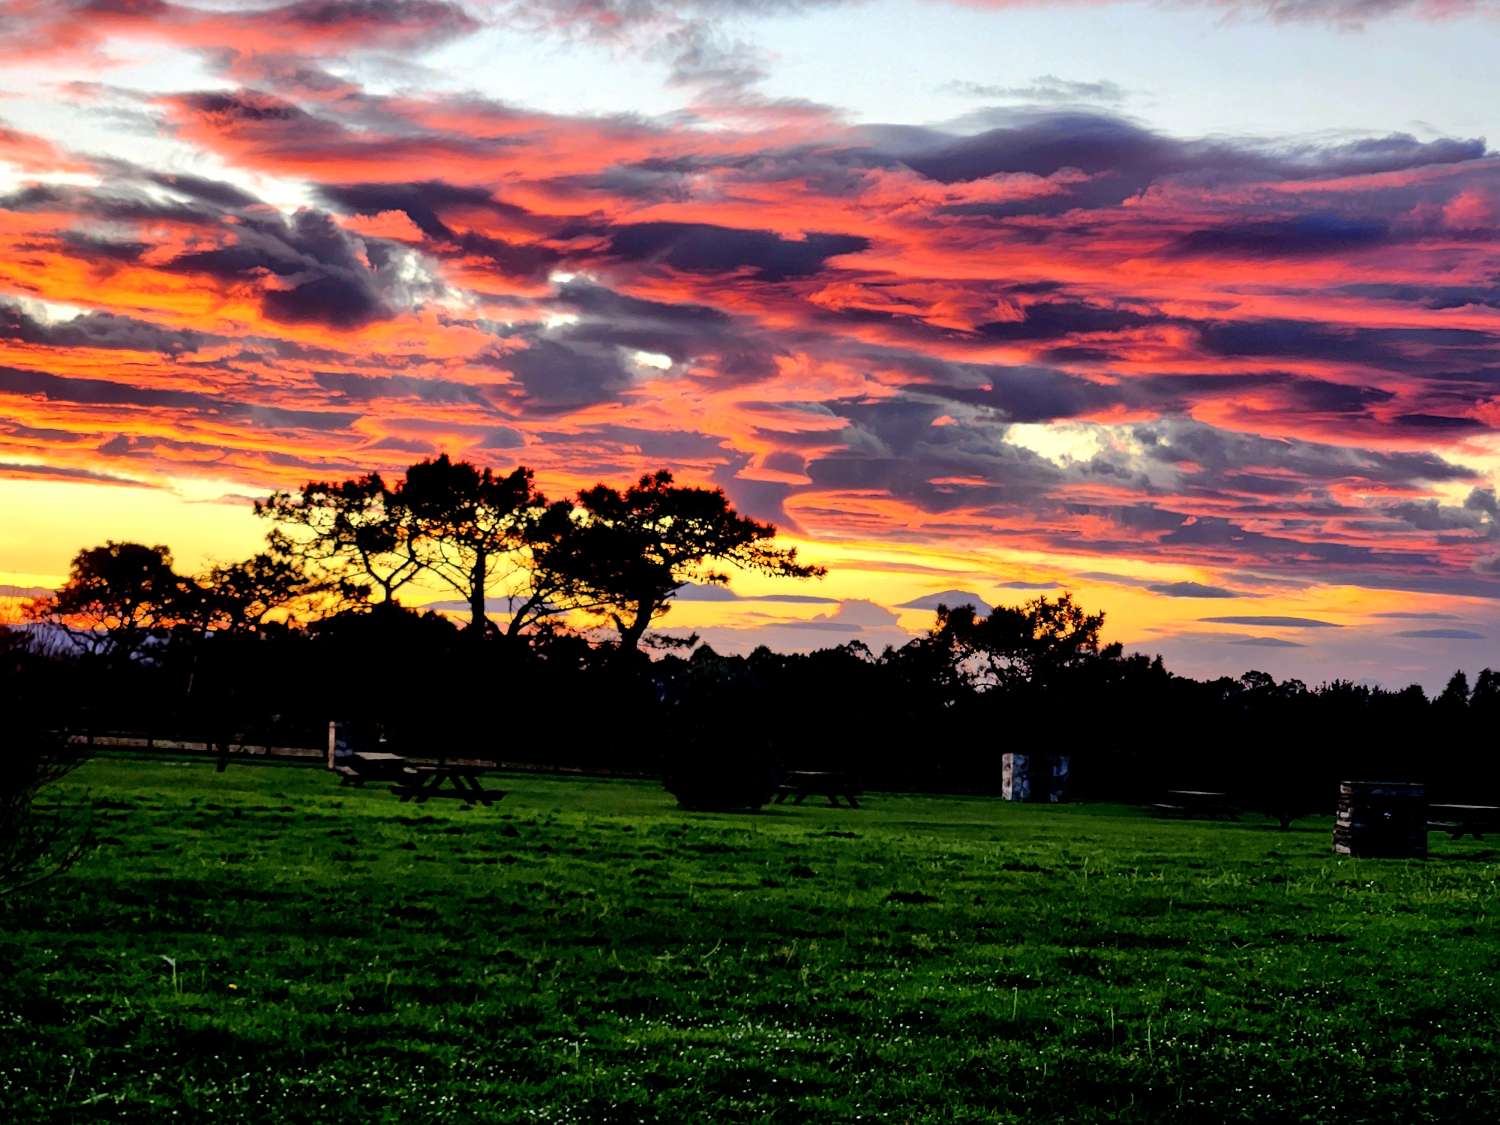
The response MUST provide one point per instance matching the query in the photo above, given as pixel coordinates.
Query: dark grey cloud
(502, 437)
(354, 388)
(1192, 590)
(102, 250)
(556, 376)
(1023, 393)
(1438, 423)
(1123, 158)
(1205, 453)
(424, 204)
(1428, 296)
(1051, 320)
(1489, 567)
(405, 22)
(1393, 348)
(1294, 393)
(1305, 236)
(600, 302)
(120, 203)
(701, 55)
(98, 330)
(708, 249)
(1272, 621)
(326, 276)
(1431, 515)
(1442, 634)
(1041, 143)
(1038, 393)
(950, 598)
(1166, 589)
(216, 192)
(892, 445)
(64, 472)
(704, 592)
(106, 392)
(688, 334)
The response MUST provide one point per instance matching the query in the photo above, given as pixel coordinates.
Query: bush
(720, 757)
(722, 784)
(35, 843)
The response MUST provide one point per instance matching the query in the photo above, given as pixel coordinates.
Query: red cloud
(1067, 333)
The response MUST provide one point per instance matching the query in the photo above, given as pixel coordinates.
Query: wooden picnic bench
(1195, 803)
(833, 784)
(447, 779)
(1464, 820)
(356, 769)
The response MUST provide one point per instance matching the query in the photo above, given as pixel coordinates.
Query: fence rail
(307, 754)
(198, 746)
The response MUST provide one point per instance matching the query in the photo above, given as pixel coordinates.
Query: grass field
(262, 945)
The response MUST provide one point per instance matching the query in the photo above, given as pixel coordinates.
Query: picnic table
(1464, 820)
(1195, 803)
(832, 784)
(461, 780)
(358, 768)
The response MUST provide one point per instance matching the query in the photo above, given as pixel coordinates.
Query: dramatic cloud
(1048, 337)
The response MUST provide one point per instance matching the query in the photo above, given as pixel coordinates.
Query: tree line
(548, 664)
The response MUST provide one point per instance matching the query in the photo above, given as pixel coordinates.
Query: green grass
(262, 945)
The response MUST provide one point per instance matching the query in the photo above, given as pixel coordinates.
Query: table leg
(472, 789)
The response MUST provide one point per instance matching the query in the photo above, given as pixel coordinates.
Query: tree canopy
(618, 554)
(118, 595)
(1036, 644)
(638, 547)
(356, 530)
(469, 527)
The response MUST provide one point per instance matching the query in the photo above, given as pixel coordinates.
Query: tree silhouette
(35, 843)
(241, 597)
(470, 527)
(1485, 698)
(353, 529)
(548, 580)
(1455, 696)
(1032, 645)
(119, 596)
(635, 549)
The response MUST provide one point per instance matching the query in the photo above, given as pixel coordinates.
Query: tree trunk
(630, 635)
(478, 579)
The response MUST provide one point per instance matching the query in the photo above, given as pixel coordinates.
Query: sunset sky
(1190, 307)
